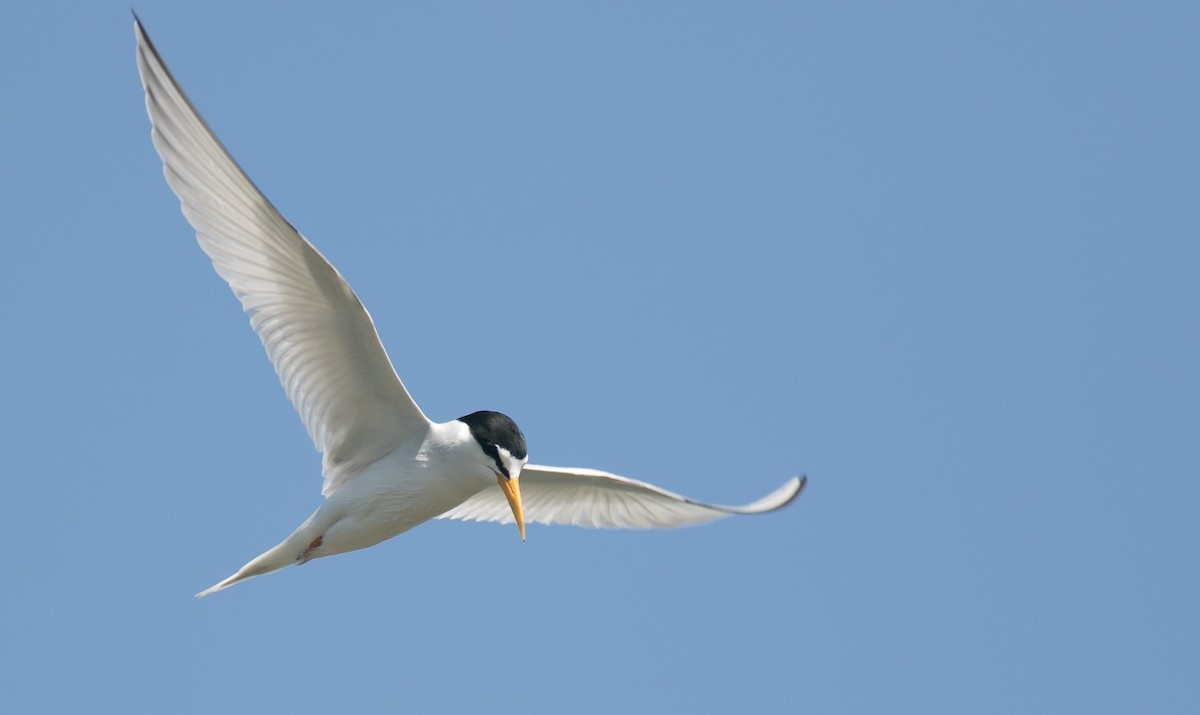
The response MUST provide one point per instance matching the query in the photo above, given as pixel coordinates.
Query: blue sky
(941, 257)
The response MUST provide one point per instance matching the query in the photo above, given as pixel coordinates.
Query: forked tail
(287, 552)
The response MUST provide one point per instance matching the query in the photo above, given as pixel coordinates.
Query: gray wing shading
(595, 499)
(317, 334)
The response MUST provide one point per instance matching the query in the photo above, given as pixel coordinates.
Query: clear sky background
(941, 257)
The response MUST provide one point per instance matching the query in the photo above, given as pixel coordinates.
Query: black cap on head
(492, 430)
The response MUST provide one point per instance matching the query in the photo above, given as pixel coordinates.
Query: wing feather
(595, 499)
(317, 334)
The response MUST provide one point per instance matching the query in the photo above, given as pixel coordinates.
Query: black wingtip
(138, 28)
(800, 482)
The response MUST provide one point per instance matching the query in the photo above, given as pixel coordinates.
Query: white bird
(387, 467)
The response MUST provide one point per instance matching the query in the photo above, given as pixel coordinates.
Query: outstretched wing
(316, 332)
(590, 498)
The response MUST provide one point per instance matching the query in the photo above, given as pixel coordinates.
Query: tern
(386, 466)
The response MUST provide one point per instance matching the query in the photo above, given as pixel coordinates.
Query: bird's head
(503, 451)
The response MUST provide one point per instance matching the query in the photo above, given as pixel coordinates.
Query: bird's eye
(492, 451)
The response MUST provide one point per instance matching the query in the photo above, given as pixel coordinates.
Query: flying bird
(386, 466)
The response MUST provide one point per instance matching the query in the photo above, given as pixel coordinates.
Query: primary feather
(591, 498)
(317, 334)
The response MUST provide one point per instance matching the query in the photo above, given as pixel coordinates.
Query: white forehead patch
(511, 463)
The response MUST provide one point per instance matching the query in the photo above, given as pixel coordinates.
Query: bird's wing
(316, 332)
(590, 498)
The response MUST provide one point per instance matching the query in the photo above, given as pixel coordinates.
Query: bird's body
(421, 479)
(387, 467)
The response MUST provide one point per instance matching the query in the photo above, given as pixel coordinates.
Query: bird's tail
(287, 552)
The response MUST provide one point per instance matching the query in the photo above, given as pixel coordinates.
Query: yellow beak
(512, 490)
